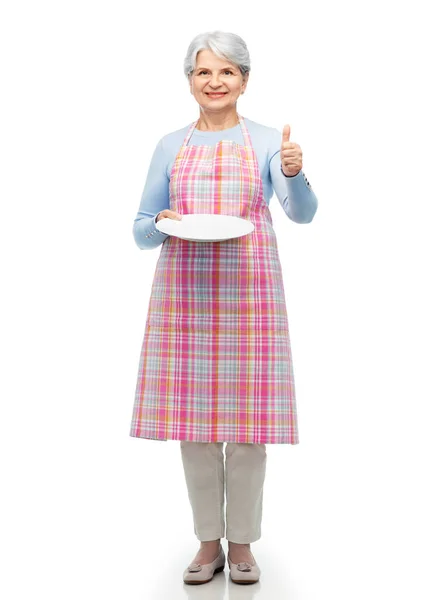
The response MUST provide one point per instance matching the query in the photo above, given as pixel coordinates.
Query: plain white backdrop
(88, 90)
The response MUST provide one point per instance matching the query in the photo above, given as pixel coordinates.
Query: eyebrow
(223, 69)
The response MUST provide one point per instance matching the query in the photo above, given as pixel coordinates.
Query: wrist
(289, 176)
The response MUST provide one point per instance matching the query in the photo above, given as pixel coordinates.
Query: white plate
(206, 227)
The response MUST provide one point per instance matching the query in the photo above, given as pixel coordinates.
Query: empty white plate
(206, 227)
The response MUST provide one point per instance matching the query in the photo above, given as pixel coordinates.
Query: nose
(215, 82)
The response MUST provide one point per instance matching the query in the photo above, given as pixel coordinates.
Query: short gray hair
(229, 46)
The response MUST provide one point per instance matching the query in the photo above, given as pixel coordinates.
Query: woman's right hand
(171, 214)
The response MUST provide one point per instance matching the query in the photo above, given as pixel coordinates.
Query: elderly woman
(216, 362)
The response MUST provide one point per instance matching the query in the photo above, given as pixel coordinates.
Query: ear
(245, 81)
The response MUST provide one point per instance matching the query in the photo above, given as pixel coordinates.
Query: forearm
(295, 194)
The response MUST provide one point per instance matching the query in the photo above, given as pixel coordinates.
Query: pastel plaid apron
(216, 362)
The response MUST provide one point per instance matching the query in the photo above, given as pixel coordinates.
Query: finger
(291, 161)
(290, 152)
(286, 134)
(290, 156)
(290, 145)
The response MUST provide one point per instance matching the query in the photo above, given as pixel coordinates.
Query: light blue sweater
(294, 193)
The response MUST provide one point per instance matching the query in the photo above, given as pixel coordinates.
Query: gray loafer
(196, 573)
(244, 572)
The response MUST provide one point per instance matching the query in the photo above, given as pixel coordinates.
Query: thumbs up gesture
(290, 154)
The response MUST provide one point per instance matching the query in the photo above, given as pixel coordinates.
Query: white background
(88, 89)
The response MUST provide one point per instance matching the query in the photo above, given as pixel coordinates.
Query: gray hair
(229, 46)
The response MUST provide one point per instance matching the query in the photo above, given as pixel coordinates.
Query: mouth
(215, 94)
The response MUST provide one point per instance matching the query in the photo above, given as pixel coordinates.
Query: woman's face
(213, 74)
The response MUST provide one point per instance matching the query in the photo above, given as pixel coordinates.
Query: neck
(217, 121)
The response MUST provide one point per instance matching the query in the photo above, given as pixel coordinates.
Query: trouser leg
(245, 467)
(203, 464)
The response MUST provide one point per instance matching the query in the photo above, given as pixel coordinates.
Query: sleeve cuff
(299, 177)
(153, 231)
(290, 176)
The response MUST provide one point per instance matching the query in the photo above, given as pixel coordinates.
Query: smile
(216, 95)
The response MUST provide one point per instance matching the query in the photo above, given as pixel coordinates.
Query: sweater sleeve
(155, 198)
(294, 193)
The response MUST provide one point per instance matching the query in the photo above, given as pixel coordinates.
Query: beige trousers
(243, 475)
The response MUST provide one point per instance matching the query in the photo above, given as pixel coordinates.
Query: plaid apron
(216, 362)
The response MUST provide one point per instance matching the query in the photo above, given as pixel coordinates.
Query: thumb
(286, 133)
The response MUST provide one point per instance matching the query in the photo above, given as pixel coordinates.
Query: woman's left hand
(290, 154)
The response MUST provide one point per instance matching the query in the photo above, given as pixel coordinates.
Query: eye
(226, 71)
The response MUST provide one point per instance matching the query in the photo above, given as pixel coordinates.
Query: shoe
(244, 572)
(196, 573)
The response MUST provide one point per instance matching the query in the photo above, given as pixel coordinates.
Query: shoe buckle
(194, 567)
(244, 566)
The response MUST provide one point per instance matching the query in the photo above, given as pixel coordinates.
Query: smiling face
(214, 74)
